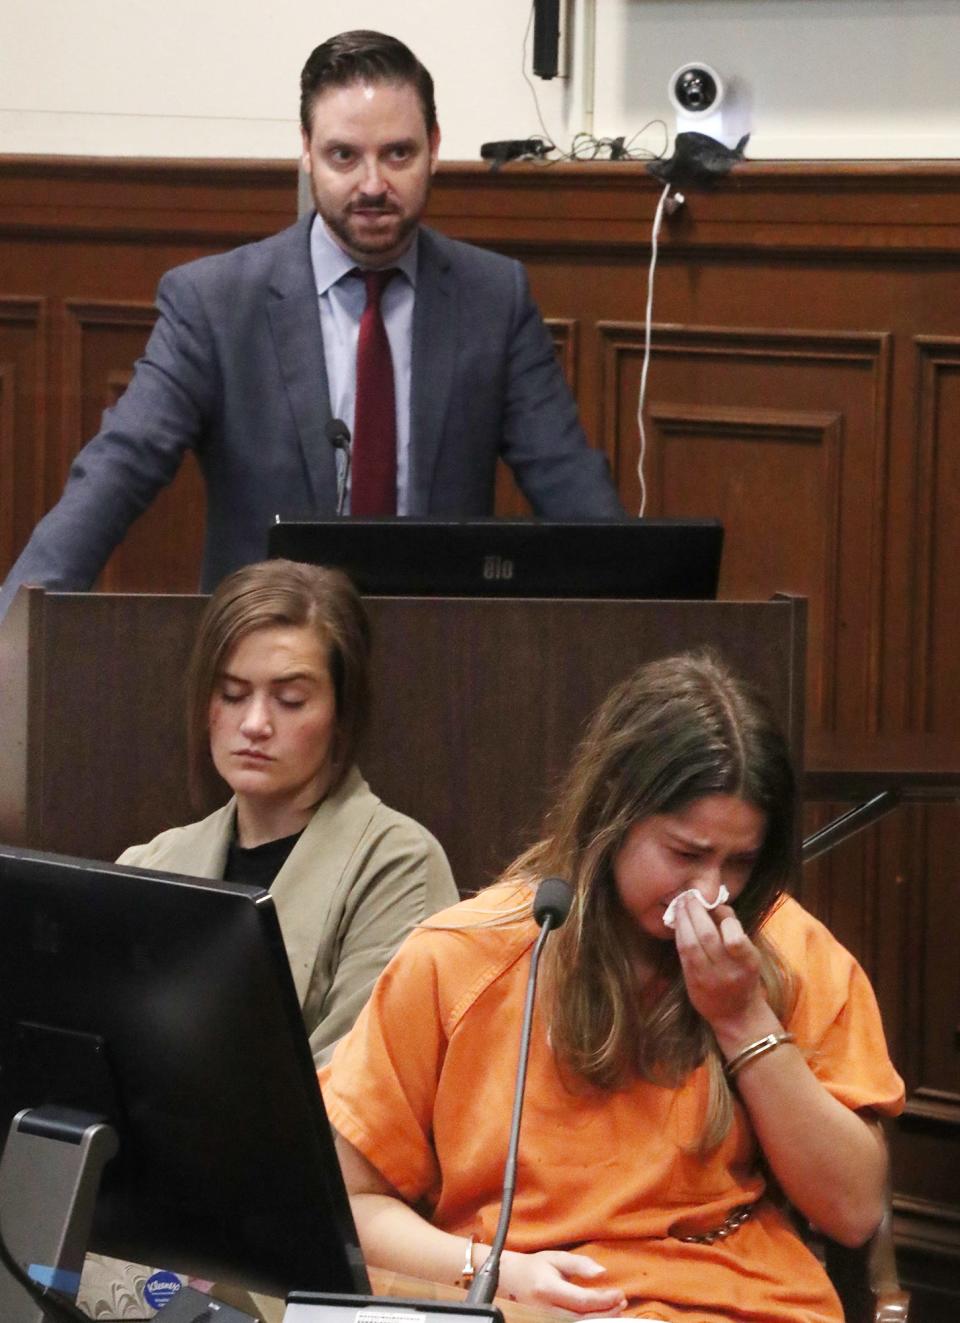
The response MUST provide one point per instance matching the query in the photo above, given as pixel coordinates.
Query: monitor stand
(49, 1178)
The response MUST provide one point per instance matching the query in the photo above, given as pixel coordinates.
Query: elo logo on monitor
(497, 567)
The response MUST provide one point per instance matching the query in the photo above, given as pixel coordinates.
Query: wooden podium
(477, 705)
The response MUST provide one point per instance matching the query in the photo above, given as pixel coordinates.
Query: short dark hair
(272, 593)
(363, 56)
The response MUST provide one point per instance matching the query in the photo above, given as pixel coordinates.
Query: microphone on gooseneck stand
(551, 905)
(552, 901)
(338, 434)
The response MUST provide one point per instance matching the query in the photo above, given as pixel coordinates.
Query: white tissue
(670, 913)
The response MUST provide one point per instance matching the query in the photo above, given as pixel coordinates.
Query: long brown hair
(282, 592)
(676, 730)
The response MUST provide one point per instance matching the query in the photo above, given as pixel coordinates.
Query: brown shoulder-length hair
(281, 592)
(676, 730)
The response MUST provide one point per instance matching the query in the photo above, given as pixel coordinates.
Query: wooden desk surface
(919, 765)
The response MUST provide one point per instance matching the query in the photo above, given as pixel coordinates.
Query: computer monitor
(671, 559)
(165, 1005)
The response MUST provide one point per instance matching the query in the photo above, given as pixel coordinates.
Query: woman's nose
(708, 881)
(256, 718)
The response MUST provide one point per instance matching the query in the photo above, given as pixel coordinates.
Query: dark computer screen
(618, 558)
(166, 1005)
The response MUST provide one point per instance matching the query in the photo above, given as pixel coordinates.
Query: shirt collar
(330, 263)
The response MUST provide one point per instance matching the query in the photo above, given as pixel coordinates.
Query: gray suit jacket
(357, 881)
(234, 369)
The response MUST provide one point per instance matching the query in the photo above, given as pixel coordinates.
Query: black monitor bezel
(227, 1168)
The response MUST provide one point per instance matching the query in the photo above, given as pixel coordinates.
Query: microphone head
(338, 434)
(553, 900)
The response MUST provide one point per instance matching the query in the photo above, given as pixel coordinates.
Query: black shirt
(260, 864)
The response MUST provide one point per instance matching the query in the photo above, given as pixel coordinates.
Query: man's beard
(393, 237)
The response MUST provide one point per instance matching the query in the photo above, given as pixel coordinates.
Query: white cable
(657, 221)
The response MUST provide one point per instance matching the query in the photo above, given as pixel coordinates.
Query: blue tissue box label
(160, 1289)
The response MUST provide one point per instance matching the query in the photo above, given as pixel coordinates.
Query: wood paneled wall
(804, 385)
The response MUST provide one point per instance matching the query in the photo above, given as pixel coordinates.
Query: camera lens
(696, 89)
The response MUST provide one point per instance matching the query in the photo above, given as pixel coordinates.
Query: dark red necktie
(373, 488)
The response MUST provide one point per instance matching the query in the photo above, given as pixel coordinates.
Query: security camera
(705, 103)
(696, 89)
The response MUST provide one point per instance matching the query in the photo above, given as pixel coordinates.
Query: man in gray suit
(254, 353)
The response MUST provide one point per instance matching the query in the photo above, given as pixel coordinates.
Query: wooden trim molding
(81, 320)
(875, 209)
(870, 211)
(931, 1227)
(933, 1107)
(135, 199)
(938, 360)
(24, 325)
(762, 426)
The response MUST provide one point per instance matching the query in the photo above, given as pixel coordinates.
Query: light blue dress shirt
(342, 298)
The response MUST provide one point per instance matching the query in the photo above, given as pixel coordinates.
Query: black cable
(483, 1288)
(585, 147)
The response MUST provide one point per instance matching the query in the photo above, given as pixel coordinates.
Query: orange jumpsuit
(423, 1084)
